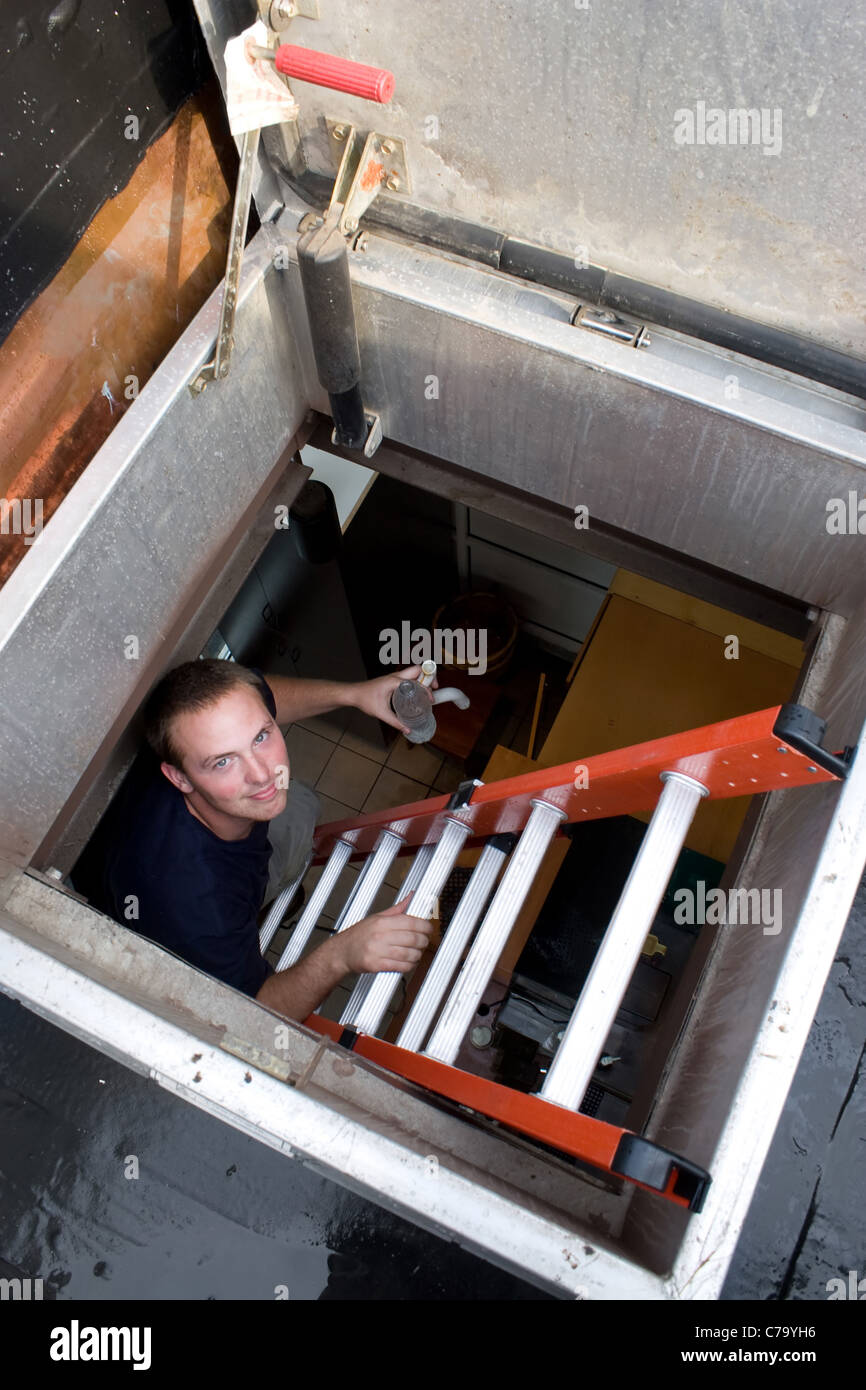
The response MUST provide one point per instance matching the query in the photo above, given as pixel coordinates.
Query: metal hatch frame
(71, 965)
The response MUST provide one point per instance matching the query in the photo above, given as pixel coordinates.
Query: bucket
(478, 612)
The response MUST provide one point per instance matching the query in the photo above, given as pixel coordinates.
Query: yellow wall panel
(645, 674)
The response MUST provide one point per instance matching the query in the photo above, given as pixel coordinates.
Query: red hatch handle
(343, 75)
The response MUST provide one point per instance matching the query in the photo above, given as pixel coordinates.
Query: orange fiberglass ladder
(515, 820)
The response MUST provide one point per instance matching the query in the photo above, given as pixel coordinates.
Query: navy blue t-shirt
(194, 893)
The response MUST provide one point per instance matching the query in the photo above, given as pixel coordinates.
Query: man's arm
(389, 940)
(301, 699)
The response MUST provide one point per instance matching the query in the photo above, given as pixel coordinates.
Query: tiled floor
(360, 768)
(308, 753)
(393, 789)
(348, 776)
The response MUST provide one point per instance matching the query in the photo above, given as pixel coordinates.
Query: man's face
(234, 757)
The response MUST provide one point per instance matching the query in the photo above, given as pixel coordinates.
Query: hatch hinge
(365, 165)
(611, 325)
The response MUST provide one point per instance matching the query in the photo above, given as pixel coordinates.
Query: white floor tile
(308, 753)
(416, 760)
(393, 789)
(334, 810)
(330, 726)
(348, 777)
(364, 735)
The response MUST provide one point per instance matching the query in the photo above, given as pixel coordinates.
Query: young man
(182, 854)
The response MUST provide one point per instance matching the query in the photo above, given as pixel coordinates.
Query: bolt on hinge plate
(278, 14)
(365, 166)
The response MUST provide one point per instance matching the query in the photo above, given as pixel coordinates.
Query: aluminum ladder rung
(278, 907)
(313, 910)
(509, 898)
(454, 942)
(594, 1013)
(371, 996)
(369, 880)
(416, 872)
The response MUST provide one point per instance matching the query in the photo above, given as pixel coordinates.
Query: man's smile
(267, 794)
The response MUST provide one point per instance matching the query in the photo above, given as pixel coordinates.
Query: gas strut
(365, 166)
(323, 258)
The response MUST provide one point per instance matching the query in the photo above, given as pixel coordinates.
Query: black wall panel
(71, 72)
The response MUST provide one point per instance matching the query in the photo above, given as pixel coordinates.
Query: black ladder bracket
(463, 794)
(804, 730)
(648, 1163)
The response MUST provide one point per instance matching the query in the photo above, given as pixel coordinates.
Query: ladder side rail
(736, 757)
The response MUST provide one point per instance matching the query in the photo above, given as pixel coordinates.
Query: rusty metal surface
(86, 90)
(77, 357)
